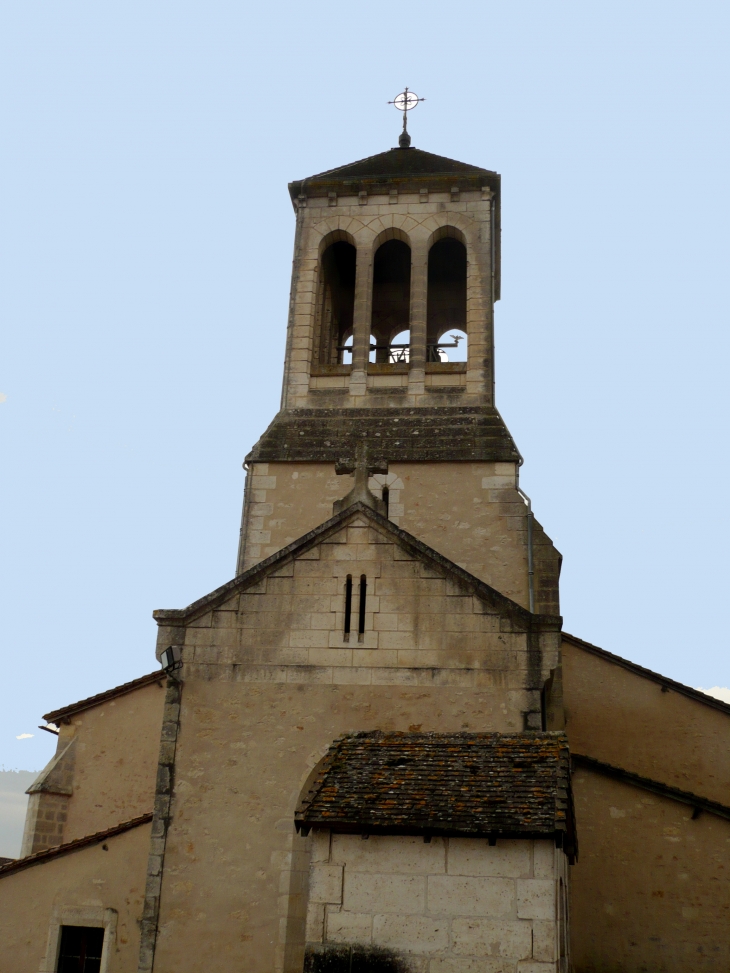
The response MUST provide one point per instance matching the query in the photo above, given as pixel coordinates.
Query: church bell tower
(390, 351)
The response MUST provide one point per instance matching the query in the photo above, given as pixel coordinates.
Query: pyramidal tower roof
(402, 168)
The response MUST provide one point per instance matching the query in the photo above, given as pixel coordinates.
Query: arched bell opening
(391, 297)
(446, 302)
(453, 346)
(346, 350)
(337, 302)
(400, 348)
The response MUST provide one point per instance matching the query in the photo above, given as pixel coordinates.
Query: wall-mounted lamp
(171, 658)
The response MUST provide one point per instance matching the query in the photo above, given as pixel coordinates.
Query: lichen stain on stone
(353, 959)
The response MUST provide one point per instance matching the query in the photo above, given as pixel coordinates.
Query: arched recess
(335, 296)
(391, 290)
(446, 300)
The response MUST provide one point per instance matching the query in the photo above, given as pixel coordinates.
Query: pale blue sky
(146, 236)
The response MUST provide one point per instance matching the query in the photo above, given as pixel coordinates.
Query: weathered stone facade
(453, 905)
(391, 577)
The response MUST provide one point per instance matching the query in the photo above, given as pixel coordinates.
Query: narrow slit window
(348, 607)
(80, 949)
(386, 499)
(363, 597)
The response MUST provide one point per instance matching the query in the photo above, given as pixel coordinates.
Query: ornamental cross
(363, 465)
(405, 102)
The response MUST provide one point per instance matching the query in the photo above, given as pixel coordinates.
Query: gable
(424, 617)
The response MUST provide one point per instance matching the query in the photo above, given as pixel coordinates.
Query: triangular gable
(497, 602)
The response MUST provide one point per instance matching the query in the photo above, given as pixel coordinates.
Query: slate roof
(431, 434)
(399, 162)
(401, 167)
(468, 784)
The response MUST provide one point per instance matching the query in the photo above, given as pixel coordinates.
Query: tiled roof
(491, 784)
(40, 857)
(407, 170)
(426, 434)
(395, 162)
(65, 712)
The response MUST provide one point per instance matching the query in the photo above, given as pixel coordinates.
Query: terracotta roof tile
(493, 784)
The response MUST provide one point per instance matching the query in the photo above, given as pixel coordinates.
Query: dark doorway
(337, 302)
(391, 295)
(446, 309)
(80, 949)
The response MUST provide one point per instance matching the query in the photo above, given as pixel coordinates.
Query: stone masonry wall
(268, 682)
(651, 888)
(469, 512)
(99, 884)
(454, 905)
(45, 820)
(418, 219)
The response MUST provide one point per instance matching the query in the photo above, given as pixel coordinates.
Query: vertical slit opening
(361, 615)
(386, 499)
(348, 607)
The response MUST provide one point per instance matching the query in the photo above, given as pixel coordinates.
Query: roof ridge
(39, 857)
(126, 687)
(664, 681)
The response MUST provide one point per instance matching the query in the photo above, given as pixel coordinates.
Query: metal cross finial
(404, 102)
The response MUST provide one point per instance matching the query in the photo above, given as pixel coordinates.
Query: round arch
(390, 233)
(446, 232)
(335, 236)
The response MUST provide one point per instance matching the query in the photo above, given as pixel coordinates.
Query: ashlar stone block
(320, 850)
(404, 894)
(543, 941)
(349, 927)
(486, 937)
(484, 896)
(398, 855)
(325, 884)
(535, 899)
(463, 964)
(411, 934)
(544, 860)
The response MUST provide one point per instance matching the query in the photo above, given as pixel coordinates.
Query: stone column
(419, 296)
(361, 320)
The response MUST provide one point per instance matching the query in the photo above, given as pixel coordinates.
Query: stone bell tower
(391, 582)
(396, 272)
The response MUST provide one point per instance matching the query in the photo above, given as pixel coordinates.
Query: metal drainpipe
(530, 560)
(244, 520)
